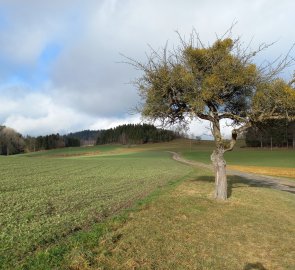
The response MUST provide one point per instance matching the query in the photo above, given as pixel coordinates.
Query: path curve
(255, 179)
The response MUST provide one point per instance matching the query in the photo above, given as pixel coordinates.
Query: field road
(253, 179)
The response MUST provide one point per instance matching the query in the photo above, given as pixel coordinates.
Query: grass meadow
(249, 157)
(114, 207)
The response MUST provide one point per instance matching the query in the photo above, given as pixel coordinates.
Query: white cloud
(87, 87)
(37, 114)
(106, 123)
(40, 114)
(202, 128)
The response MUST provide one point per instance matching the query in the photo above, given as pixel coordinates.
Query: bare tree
(11, 142)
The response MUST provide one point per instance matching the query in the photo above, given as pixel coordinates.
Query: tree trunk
(219, 165)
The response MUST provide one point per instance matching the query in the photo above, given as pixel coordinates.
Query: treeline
(12, 142)
(50, 142)
(86, 137)
(135, 134)
(274, 133)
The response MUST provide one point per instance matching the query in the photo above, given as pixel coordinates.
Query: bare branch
(232, 116)
(235, 133)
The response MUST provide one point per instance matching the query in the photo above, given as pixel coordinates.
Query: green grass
(43, 200)
(201, 151)
(247, 157)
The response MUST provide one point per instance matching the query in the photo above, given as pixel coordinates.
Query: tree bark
(219, 166)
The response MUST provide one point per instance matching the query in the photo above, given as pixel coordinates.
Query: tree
(11, 142)
(30, 143)
(213, 83)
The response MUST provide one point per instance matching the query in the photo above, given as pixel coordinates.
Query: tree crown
(212, 83)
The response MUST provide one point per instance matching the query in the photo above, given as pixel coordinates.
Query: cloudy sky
(59, 67)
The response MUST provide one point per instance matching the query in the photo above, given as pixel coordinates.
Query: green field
(63, 209)
(45, 199)
(276, 158)
(201, 151)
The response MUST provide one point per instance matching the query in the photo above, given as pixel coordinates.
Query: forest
(12, 142)
(135, 134)
(274, 133)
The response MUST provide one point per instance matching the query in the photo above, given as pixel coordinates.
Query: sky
(61, 64)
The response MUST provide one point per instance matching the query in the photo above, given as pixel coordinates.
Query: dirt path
(253, 179)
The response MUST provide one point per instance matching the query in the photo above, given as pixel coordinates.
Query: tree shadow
(254, 266)
(237, 181)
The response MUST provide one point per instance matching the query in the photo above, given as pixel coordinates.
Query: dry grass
(186, 229)
(94, 153)
(273, 171)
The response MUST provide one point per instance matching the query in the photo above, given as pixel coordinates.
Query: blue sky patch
(34, 76)
(3, 19)
(50, 53)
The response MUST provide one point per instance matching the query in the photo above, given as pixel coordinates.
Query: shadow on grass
(254, 266)
(236, 181)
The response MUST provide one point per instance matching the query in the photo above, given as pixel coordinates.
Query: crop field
(42, 200)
